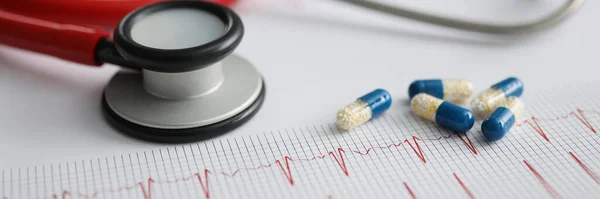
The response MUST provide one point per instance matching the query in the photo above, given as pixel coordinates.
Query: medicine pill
(363, 109)
(455, 91)
(486, 102)
(502, 119)
(443, 113)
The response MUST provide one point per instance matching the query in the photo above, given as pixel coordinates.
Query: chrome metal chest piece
(190, 86)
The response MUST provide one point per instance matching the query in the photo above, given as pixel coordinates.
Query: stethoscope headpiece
(190, 86)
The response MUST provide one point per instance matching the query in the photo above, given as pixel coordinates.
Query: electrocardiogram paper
(552, 153)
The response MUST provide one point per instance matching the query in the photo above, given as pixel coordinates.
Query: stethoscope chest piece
(190, 87)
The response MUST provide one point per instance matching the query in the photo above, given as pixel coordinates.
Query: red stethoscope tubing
(63, 28)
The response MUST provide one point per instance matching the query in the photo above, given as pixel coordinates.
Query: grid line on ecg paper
(397, 155)
(93, 176)
(411, 179)
(255, 149)
(253, 163)
(235, 162)
(157, 172)
(304, 154)
(362, 145)
(415, 161)
(219, 156)
(372, 129)
(181, 166)
(310, 167)
(391, 151)
(35, 174)
(320, 151)
(397, 150)
(19, 182)
(253, 189)
(370, 168)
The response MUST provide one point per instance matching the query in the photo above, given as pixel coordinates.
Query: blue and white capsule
(487, 101)
(443, 113)
(363, 109)
(456, 91)
(502, 119)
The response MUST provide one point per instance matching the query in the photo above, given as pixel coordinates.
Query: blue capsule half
(510, 86)
(363, 109)
(379, 100)
(433, 87)
(443, 113)
(453, 90)
(498, 124)
(454, 117)
(502, 119)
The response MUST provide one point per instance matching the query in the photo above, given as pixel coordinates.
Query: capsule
(502, 119)
(487, 101)
(363, 109)
(456, 91)
(443, 113)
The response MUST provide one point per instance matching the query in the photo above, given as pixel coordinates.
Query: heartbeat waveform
(468, 143)
(579, 114)
(544, 183)
(464, 187)
(412, 195)
(338, 157)
(147, 190)
(586, 168)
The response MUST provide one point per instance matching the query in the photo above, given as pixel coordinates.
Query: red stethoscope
(40, 25)
(187, 85)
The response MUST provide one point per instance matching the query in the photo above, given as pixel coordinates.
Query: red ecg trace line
(471, 196)
(412, 195)
(537, 127)
(594, 176)
(147, 189)
(547, 186)
(584, 120)
(579, 114)
(341, 162)
(205, 184)
(147, 194)
(63, 196)
(468, 143)
(286, 171)
(339, 158)
(418, 150)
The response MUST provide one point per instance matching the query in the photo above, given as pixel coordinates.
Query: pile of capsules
(439, 102)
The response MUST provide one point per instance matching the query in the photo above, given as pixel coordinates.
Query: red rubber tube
(94, 13)
(70, 42)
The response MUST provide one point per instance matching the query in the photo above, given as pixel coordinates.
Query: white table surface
(316, 56)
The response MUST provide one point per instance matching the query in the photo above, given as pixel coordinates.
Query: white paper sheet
(551, 153)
